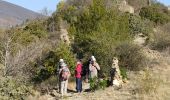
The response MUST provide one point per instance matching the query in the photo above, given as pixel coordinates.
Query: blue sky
(166, 2)
(38, 5)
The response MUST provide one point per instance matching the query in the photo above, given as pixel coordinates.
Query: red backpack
(65, 73)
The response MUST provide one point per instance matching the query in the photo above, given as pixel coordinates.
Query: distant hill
(11, 14)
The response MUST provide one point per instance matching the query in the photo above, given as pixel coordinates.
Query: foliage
(96, 84)
(37, 28)
(138, 25)
(155, 14)
(64, 52)
(10, 89)
(47, 67)
(161, 41)
(96, 29)
(130, 56)
(123, 72)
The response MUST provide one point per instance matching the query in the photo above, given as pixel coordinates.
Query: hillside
(11, 14)
(134, 39)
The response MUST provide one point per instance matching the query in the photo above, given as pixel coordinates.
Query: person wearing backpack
(61, 61)
(64, 73)
(93, 67)
(112, 75)
(78, 75)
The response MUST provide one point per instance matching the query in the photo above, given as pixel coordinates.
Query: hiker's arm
(60, 70)
(90, 67)
(97, 66)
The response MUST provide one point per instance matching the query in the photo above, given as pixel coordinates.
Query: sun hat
(93, 58)
(61, 60)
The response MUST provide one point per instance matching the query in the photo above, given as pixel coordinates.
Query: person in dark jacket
(112, 75)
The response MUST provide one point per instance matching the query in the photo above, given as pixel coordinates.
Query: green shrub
(155, 14)
(65, 52)
(123, 72)
(37, 28)
(130, 56)
(138, 25)
(96, 84)
(47, 67)
(10, 89)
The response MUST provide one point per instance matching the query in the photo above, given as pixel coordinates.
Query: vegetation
(130, 56)
(157, 13)
(31, 52)
(96, 84)
(96, 30)
(11, 89)
(139, 25)
(161, 39)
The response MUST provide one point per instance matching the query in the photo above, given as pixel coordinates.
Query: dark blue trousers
(78, 84)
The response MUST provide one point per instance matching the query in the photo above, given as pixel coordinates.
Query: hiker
(112, 75)
(86, 70)
(64, 73)
(61, 61)
(93, 67)
(78, 75)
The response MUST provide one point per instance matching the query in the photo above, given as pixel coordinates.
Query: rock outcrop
(124, 7)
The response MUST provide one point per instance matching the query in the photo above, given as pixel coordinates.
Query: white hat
(61, 60)
(93, 58)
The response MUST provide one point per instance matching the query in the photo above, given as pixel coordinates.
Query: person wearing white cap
(64, 74)
(61, 61)
(93, 67)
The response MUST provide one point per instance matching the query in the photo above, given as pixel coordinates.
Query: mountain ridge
(11, 14)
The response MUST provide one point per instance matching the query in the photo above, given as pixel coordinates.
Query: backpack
(83, 71)
(65, 73)
(113, 72)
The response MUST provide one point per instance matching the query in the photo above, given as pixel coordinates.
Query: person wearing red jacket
(78, 76)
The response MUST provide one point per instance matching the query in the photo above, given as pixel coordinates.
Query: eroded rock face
(64, 35)
(118, 74)
(124, 7)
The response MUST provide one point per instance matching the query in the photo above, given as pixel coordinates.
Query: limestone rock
(124, 7)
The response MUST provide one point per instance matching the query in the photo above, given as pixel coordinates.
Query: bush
(161, 41)
(10, 89)
(37, 28)
(138, 25)
(47, 67)
(123, 72)
(65, 52)
(96, 84)
(130, 56)
(155, 14)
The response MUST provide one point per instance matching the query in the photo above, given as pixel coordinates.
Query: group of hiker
(90, 72)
